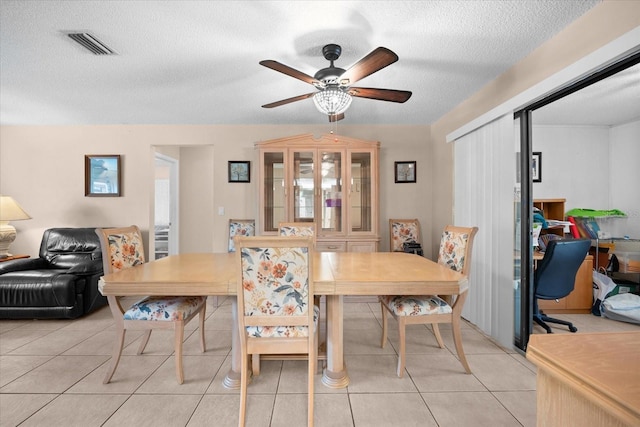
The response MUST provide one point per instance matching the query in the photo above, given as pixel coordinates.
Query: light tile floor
(51, 375)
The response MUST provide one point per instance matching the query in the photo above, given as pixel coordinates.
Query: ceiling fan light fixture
(332, 101)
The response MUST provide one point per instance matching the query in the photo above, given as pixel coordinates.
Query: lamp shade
(332, 101)
(10, 210)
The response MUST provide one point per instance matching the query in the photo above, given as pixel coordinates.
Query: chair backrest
(121, 248)
(275, 282)
(401, 231)
(240, 227)
(555, 274)
(456, 248)
(304, 229)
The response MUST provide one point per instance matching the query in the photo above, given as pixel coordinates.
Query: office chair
(555, 276)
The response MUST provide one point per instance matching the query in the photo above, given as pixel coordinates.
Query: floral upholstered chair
(276, 314)
(297, 229)
(402, 231)
(304, 229)
(240, 227)
(455, 253)
(122, 248)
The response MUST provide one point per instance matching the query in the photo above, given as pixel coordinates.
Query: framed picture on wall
(102, 175)
(536, 167)
(405, 172)
(239, 171)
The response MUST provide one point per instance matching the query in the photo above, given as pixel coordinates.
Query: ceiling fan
(335, 92)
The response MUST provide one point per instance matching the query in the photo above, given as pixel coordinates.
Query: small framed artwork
(239, 171)
(536, 166)
(102, 176)
(405, 172)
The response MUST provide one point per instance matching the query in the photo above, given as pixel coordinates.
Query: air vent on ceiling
(91, 43)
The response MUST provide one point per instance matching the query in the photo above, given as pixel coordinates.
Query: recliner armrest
(23, 265)
(86, 268)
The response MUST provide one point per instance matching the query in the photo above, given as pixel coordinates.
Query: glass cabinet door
(274, 190)
(303, 186)
(331, 194)
(360, 200)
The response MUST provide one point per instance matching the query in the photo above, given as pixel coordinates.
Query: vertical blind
(485, 177)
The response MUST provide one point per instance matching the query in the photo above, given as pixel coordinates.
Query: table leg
(232, 380)
(335, 375)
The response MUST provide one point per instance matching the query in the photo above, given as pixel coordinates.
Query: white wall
(196, 199)
(575, 165)
(593, 167)
(624, 179)
(42, 167)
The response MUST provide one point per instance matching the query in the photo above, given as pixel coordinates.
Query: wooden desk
(336, 274)
(580, 300)
(587, 379)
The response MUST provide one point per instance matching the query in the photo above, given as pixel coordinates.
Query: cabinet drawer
(362, 246)
(331, 246)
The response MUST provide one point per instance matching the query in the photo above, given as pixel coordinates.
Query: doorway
(166, 202)
(572, 112)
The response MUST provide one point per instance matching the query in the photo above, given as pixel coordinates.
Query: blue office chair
(555, 276)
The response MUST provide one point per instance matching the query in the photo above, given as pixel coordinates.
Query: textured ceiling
(196, 62)
(612, 101)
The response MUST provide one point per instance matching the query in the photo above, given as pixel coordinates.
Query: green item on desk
(539, 218)
(593, 213)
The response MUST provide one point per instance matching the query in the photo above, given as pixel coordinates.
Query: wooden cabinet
(578, 301)
(331, 180)
(551, 209)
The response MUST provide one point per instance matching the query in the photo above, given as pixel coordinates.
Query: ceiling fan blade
(380, 94)
(289, 100)
(335, 117)
(374, 61)
(285, 69)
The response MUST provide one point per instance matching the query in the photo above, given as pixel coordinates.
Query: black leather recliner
(62, 283)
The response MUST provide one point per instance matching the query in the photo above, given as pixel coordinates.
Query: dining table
(335, 275)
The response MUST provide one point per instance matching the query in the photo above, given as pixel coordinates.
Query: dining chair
(237, 227)
(275, 310)
(298, 229)
(240, 227)
(291, 229)
(301, 229)
(455, 252)
(402, 231)
(123, 248)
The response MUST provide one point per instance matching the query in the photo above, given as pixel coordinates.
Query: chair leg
(145, 340)
(203, 313)
(178, 345)
(457, 339)
(318, 363)
(255, 364)
(544, 318)
(436, 332)
(539, 321)
(383, 341)
(310, 388)
(244, 381)
(115, 357)
(401, 351)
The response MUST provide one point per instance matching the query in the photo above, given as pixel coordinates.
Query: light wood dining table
(336, 274)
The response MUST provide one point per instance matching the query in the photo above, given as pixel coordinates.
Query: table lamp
(10, 210)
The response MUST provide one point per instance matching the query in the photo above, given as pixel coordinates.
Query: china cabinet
(331, 180)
